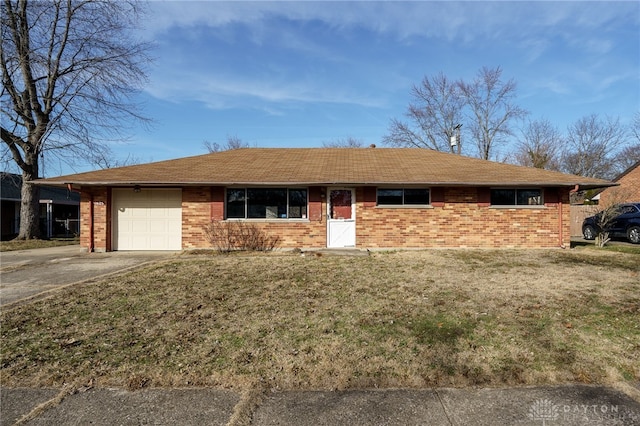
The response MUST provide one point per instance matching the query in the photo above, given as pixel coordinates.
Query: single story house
(326, 197)
(59, 209)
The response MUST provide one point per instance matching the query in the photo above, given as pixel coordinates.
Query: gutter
(496, 184)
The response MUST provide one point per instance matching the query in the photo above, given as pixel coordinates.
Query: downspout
(70, 187)
(90, 248)
(560, 214)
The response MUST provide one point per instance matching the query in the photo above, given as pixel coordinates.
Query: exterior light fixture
(136, 188)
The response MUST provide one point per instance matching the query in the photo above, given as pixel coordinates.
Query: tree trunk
(30, 206)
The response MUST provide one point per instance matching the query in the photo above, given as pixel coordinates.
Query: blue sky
(297, 74)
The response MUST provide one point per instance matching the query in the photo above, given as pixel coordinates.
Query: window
(516, 197)
(629, 209)
(403, 197)
(236, 203)
(266, 203)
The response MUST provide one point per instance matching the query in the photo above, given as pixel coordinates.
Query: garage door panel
(147, 220)
(138, 212)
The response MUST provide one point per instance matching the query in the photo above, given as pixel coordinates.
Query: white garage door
(147, 220)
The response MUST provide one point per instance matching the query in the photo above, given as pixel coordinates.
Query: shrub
(227, 236)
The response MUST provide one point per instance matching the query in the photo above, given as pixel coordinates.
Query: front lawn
(285, 321)
(14, 245)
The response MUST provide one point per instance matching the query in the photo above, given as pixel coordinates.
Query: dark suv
(626, 224)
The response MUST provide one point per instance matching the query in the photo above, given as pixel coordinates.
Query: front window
(516, 197)
(266, 203)
(403, 197)
(236, 203)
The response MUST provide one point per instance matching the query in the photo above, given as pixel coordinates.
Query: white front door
(341, 218)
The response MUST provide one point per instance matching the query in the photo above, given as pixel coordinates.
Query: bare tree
(105, 159)
(604, 221)
(607, 213)
(69, 70)
(433, 114)
(349, 142)
(233, 142)
(491, 109)
(628, 157)
(592, 143)
(635, 127)
(539, 146)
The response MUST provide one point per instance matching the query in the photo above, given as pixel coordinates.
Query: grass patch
(629, 249)
(14, 245)
(614, 246)
(599, 258)
(405, 319)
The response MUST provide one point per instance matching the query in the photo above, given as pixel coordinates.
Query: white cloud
(221, 92)
(531, 32)
(447, 20)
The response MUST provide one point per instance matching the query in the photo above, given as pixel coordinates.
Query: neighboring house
(59, 209)
(628, 190)
(322, 197)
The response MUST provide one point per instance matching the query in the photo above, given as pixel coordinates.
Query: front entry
(341, 218)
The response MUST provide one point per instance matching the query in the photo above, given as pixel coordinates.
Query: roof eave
(582, 185)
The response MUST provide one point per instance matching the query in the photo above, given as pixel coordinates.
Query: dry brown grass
(405, 319)
(14, 245)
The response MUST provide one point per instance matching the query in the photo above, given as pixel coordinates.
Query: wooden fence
(578, 214)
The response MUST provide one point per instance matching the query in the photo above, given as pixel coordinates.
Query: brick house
(322, 197)
(628, 190)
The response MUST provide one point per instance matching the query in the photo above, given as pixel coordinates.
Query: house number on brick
(98, 203)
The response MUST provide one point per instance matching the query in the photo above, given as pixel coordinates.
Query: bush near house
(227, 236)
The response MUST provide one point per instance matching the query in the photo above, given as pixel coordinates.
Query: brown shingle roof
(320, 166)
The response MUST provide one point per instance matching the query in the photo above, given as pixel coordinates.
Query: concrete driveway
(25, 274)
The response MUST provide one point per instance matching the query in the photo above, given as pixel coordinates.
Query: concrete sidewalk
(549, 405)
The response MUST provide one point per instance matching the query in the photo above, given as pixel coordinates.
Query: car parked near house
(626, 224)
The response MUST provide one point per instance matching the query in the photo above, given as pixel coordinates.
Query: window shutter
(369, 196)
(484, 197)
(217, 203)
(315, 203)
(437, 196)
(551, 196)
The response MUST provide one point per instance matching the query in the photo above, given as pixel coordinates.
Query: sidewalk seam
(444, 408)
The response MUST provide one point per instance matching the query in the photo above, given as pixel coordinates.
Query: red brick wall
(196, 214)
(627, 192)
(459, 217)
(100, 199)
(464, 220)
(201, 205)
